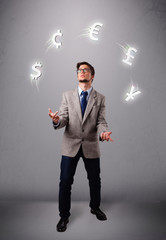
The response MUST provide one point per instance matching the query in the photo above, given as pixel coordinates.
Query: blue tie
(83, 102)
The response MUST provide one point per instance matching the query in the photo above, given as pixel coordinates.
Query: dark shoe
(99, 214)
(62, 225)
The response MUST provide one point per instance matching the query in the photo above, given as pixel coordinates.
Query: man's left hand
(106, 136)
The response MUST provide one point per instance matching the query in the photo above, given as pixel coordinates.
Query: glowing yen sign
(54, 39)
(94, 30)
(132, 94)
(129, 55)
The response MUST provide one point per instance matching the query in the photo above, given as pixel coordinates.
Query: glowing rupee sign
(129, 55)
(37, 71)
(94, 30)
(54, 39)
(132, 94)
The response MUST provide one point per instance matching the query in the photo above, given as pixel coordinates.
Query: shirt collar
(88, 91)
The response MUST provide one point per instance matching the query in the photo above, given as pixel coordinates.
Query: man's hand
(54, 116)
(106, 136)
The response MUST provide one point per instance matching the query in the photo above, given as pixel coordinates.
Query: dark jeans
(68, 168)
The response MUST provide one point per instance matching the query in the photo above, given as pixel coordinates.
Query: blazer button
(82, 139)
(82, 130)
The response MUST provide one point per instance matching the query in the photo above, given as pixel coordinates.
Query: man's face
(84, 75)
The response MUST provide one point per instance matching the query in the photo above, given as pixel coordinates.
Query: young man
(82, 113)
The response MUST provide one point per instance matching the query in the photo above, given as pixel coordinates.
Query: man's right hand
(53, 116)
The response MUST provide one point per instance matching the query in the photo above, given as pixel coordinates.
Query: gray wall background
(133, 167)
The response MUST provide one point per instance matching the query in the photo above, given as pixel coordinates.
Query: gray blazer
(80, 130)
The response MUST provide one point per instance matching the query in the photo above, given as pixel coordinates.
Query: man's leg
(68, 168)
(92, 167)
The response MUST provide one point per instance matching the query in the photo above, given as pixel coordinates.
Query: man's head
(85, 72)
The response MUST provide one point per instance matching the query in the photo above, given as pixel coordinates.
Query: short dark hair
(88, 64)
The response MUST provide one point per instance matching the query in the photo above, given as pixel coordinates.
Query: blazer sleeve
(102, 125)
(63, 114)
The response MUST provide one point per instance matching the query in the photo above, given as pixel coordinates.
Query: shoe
(99, 214)
(62, 225)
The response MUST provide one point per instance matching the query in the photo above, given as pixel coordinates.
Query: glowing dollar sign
(94, 30)
(38, 72)
(57, 44)
(129, 55)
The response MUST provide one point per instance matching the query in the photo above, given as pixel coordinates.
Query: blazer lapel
(90, 104)
(77, 104)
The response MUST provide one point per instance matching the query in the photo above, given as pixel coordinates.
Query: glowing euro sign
(94, 30)
(129, 55)
(38, 72)
(132, 94)
(54, 38)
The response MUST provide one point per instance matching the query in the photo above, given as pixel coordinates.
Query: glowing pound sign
(94, 30)
(38, 72)
(132, 94)
(129, 55)
(58, 33)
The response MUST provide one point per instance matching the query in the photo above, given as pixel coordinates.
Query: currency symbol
(132, 94)
(129, 55)
(94, 30)
(38, 72)
(57, 44)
